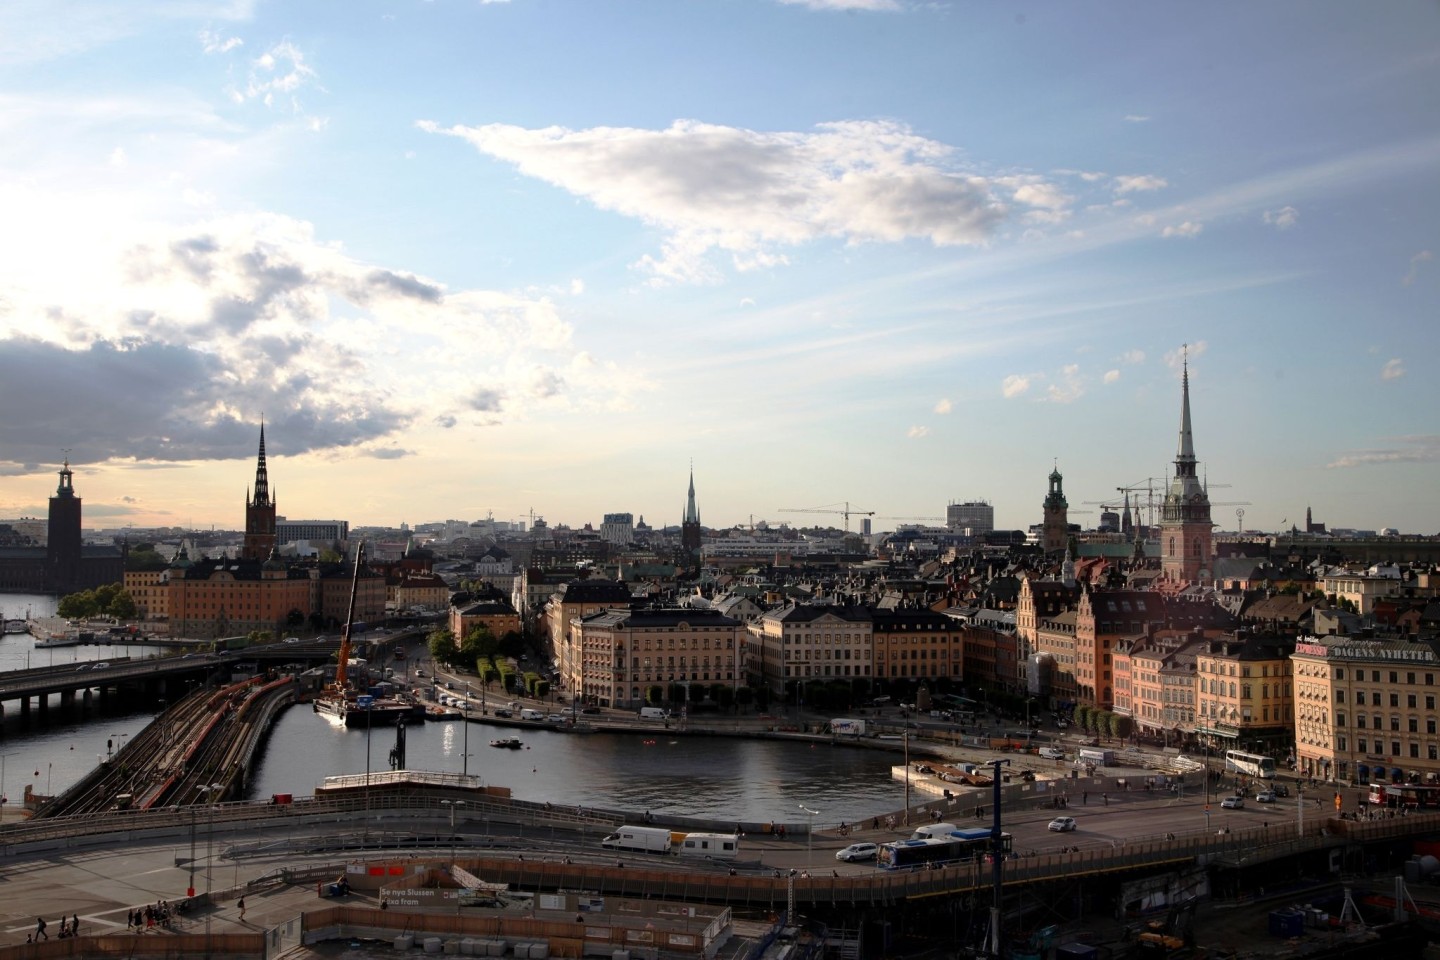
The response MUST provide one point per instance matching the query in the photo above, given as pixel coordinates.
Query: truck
(653, 713)
(1101, 758)
(640, 839)
(847, 728)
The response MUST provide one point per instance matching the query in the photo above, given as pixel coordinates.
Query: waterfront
(718, 777)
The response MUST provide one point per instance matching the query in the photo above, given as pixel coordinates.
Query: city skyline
(484, 258)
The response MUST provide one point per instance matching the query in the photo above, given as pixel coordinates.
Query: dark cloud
(389, 453)
(406, 285)
(446, 420)
(157, 402)
(547, 383)
(486, 400)
(195, 254)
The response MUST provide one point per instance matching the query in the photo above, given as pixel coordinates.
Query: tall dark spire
(1185, 526)
(690, 535)
(262, 481)
(692, 512)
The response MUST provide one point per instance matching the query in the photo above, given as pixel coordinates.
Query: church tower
(690, 526)
(1185, 516)
(1055, 531)
(259, 513)
(63, 546)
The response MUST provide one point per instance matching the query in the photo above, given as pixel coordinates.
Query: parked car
(101, 665)
(857, 851)
(1062, 824)
(589, 709)
(1233, 803)
(1265, 796)
(503, 713)
(1280, 790)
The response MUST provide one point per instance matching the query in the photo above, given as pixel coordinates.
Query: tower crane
(829, 508)
(924, 519)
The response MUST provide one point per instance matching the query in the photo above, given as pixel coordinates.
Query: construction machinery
(830, 508)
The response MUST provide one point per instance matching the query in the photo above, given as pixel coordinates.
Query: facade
(1361, 589)
(573, 601)
(1366, 710)
(618, 528)
(798, 642)
(260, 539)
(417, 591)
(150, 589)
(1037, 599)
(976, 516)
(1102, 619)
(917, 644)
(494, 611)
(623, 654)
(1186, 553)
(1243, 693)
(316, 531)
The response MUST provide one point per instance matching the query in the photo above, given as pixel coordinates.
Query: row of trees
(107, 600)
(1103, 723)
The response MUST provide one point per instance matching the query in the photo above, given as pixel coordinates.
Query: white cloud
(1393, 370)
(1133, 357)
(1068, 387)
(1282, 219)
(1423, 256)
(577, 287)
(751, 194)
(1140, 182)
(1413, 449)
(1136, 118)
(280, 71)
(1111, 376)
(40, 30)
(1186, 229)
(212, 42)
(915, 433)
(117, 157)
(1175, 359)
(944, 406)
(1015, 385)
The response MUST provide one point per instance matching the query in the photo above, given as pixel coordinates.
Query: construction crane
(829, 508)
(937, 519)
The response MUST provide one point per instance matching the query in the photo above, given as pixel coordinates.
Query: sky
(474, 258)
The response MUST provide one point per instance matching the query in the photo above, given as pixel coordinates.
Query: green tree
(122, 606)
(143, 556)
(441, 643)
(257, 637)
(479, 642)
(1124, 726)
(330, 556)
(78, 606)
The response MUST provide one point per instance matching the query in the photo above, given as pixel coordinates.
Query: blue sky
(488, 257)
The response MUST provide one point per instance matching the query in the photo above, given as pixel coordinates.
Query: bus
(960, 846)
(1250, 764)
(1412, 795)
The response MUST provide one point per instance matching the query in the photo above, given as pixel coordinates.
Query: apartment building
(917, 644)
(571, 602)
(1366, 710)
(1244, 696)
(624, 655)
(797, 642)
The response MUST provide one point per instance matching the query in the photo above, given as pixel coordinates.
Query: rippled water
(718, 777)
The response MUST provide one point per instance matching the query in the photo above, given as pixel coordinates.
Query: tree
(441, 643)
(479, 642)
(257, 637)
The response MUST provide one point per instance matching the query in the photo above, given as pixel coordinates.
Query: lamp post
(212, 792)
(809, 833)
(3, 798)
(452, 804)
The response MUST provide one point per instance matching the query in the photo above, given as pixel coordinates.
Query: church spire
(1187, 442)
(262, 481)
(692, 512)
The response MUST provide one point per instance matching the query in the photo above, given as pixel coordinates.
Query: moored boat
(507, 743)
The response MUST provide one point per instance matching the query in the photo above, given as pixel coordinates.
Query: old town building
(627, 658)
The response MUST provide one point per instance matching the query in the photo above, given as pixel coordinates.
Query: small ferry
(507, 743)
(16, 626)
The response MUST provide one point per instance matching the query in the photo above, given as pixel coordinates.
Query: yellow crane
(829, 508)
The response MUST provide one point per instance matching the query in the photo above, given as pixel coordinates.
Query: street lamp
(212, 792)
(809, 833)
(452, 804)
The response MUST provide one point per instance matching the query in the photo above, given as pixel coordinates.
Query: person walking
(241, 905)
(40, 929)
(75, 925)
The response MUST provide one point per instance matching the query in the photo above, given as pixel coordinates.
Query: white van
(1052, 753)
(529, 714)
(934, 830)
(653, 713)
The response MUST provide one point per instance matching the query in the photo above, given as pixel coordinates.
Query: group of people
(150, 916)
(68, 928)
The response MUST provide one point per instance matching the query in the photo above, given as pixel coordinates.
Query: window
(1394, 748)
(1360, 720)
(1414, 725)
(1410, 701)
(1339, 719)
(1394, 699)
(1415, 750)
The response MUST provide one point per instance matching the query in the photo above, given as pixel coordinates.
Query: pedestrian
(74, 924)
(241, 905)
(40, 929)
(129, 919)
(1085, 798)
(1106, 798)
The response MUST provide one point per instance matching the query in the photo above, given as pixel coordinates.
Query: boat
(71, 640)
(16, 626)
(341, 703)
(507, 743)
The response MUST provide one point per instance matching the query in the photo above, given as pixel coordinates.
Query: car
(1052, 753)
(1233, 803)
(589, 709)
(1267, 796)
(82, 667)
(419, 672)
(1280, 790)
(857, 851)
(1062, 724)
(292, 639)
(503, 713)
(556, 718)
(1062, 824)
(101, 665)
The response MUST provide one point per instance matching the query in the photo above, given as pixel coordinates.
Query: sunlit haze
(471, 257)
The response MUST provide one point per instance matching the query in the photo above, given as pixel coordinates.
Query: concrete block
(433, 944)
(404, 941)
(452, 948)
(467, 947)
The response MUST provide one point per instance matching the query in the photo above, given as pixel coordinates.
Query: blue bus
(959, 846)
